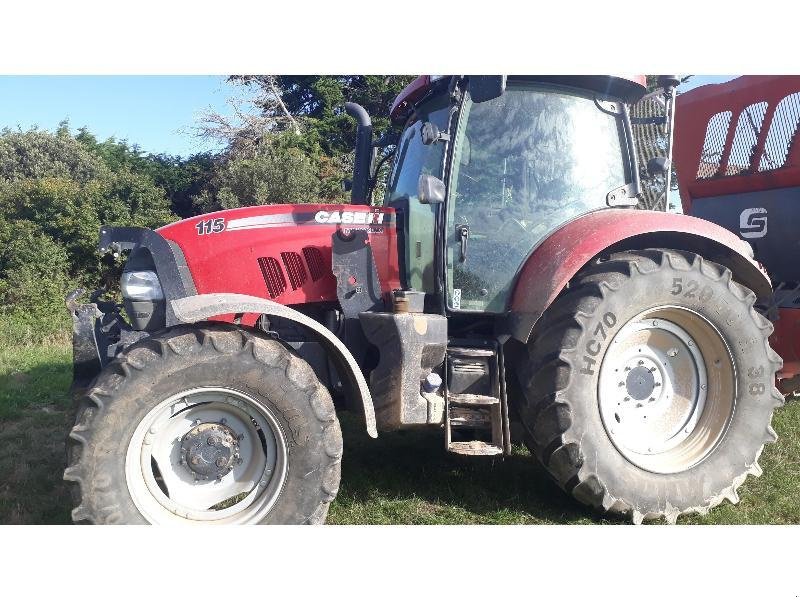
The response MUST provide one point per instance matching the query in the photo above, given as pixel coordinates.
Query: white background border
(564, 562)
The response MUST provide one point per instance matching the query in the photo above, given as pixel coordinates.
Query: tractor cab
(517, 163)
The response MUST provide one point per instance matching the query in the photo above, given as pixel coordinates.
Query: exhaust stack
(363, 160)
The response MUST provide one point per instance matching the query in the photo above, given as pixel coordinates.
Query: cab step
(474, 448)
(476, 421)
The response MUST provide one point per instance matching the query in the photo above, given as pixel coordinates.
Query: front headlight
(141, 285)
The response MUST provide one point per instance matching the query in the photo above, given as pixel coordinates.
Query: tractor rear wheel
(649, 385)
(205, 424)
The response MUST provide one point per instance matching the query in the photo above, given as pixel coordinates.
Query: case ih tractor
(738, 155)
(505, 279)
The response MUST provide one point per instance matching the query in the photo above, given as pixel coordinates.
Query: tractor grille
(745, 156)
(294, 268)
(316, 265)
(273, 276)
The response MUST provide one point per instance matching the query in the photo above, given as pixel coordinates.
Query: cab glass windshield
(523, 164)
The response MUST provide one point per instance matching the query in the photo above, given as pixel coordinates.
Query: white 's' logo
(753, 222)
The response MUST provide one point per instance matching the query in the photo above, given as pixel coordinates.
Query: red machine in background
(738, 162)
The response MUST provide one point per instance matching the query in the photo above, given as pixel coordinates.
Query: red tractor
(738, 156)
(506, 279)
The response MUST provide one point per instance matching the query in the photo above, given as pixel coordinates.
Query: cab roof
(628, 88)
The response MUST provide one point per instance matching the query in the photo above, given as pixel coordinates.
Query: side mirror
(430, 190)
(668, 81)
(430, 134)
(483, 88)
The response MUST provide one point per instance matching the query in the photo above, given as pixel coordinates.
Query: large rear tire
(649, 385)
(205, 424)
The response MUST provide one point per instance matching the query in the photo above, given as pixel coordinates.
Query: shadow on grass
(407, 477)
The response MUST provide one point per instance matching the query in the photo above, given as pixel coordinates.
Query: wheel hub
(210, 450)
(641, 382)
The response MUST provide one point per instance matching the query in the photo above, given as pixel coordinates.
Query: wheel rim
(667, 389)
(214, 455)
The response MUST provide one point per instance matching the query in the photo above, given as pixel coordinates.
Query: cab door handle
(462, 233)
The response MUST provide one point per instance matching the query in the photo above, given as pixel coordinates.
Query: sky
(154, 112)
(149, 111)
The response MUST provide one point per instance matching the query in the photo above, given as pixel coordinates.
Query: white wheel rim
(666, 389)
(246, 491)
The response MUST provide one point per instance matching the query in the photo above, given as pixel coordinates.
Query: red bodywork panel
(786, 341)
(281, 252)
(556, 261)
(712, 159)
(736, 147)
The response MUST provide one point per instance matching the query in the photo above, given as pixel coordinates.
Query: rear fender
(558, 259)
(193, 309)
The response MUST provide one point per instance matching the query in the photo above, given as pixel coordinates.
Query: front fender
(192, 309)
(558, 259)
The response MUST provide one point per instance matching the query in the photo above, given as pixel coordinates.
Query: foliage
(180, 179)
(317, 101)
(55, 192)
(279, 170)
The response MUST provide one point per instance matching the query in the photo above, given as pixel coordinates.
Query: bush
(54, 195)
(34, 280)
(276, 172)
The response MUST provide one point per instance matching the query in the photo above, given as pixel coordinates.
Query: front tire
(205, 424)
(649, 385)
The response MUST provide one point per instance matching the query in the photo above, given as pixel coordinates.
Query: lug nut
(221, 462)
(212, 441)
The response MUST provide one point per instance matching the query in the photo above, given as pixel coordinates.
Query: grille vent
(294, 268)
(782, 133)
(714, 144)
(314, 261)
(273, 276)
(748, 128)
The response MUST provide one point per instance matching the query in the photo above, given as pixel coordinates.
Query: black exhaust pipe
(363, 160)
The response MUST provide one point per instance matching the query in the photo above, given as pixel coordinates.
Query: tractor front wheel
(205, 424)
(649, 385)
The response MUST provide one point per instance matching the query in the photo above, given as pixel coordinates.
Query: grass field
(403, 477)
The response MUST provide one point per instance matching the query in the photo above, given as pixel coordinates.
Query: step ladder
(476, 422)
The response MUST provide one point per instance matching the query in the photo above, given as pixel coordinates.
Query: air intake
(315, 262)
(273, 276)
(294, 268)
